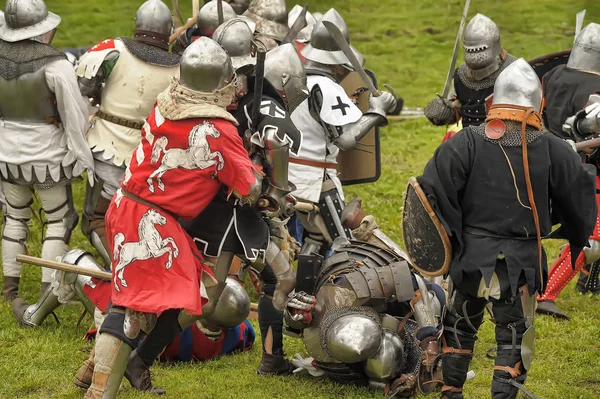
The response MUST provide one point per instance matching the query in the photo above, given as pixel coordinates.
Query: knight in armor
(572, 109)
(189, 141)
(359, 332)
(207, 23)
(329, 121)
(474, 80)
(483, 182)
(146, 65)
(42, 129)
(226, 228)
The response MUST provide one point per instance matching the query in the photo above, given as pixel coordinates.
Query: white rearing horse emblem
(151, 245)
(198, 155)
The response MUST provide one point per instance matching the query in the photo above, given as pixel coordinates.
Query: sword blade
(299, 24)
(579, 17)
(65, 267)
(340, 40)
(220, 17)
(455, 53)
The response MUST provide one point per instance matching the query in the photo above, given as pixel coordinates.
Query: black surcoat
(470, 184)
(566, 91)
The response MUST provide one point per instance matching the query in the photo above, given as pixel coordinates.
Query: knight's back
(24, 93)
(177, 157)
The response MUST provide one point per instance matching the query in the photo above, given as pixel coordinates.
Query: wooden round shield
(427, 242)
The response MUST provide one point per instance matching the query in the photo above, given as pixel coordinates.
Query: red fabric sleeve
(238, 171)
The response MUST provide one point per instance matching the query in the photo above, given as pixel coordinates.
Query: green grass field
(408, 44)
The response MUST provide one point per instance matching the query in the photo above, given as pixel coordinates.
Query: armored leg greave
(463, 319)
(97, 200)
(588, 279)
(117, 338)
(15, 230)
(61, 216)
(110, 360)
(561, 273)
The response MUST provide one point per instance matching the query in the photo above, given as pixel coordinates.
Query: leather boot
(274, 365)
(83, 378)
(10, 288)
(138, 375)
(430, 369)
(19, 307)
(582, 280)
(549, 308)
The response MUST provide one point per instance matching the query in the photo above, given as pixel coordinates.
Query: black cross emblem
(273, 109)
(340, 105)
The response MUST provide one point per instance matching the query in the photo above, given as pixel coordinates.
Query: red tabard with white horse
(179, 166)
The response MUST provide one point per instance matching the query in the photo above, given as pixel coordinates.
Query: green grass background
(408, 44)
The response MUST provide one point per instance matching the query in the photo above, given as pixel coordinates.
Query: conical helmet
(154, 18)
(585, 55)
(205, 66)
(235, 36)
(518, 84)
(208, 17)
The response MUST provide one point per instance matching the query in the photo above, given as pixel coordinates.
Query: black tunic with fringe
(485, 210)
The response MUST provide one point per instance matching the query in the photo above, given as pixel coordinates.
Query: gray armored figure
(371, 320)
(42, 129)
(474, 80)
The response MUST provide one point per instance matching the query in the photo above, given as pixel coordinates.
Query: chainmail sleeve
(74, 115)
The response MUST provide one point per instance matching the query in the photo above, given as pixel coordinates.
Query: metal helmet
(518, 84)
(154, 17)
(208, 17)
(270, 17)
(239, 6)
(233, 306)
(585, 55)
(482, 46)
(285, 72)
(305, 33)
(205, 66)
(235, 36)
(26, 19)
(387, 362)
(353, 338)
(322, 48)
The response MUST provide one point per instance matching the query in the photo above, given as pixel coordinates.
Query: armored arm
(587, 121)
(347, 135)
(379, 107)
(90, 85)
(254, 192)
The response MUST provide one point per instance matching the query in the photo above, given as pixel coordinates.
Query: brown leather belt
(314, 164)
(120, 121)
(149, 204)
